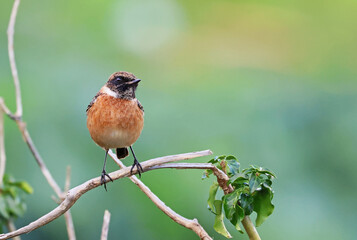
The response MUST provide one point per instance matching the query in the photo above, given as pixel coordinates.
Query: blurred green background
(272, 82)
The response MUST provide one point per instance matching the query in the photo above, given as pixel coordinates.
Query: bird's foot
(102, 179)
(138, 167)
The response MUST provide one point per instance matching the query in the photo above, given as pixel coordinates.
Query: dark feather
(140, 106)
(122, 153)
(93, 101)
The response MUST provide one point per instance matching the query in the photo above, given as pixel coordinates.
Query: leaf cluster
(12, 203)
(252, 193)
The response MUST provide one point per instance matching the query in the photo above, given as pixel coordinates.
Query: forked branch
(75, 193)
(187, 223)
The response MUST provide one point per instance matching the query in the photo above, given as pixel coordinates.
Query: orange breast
(115, 122)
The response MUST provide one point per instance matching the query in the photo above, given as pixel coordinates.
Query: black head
(124, 84)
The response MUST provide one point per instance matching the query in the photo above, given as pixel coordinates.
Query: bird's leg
(136, 163)
(104, 173)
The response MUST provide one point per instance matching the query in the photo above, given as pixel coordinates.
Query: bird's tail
(122, 152)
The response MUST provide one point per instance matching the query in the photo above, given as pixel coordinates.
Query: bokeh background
(271, 82)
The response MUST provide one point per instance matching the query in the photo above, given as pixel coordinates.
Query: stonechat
(115, 118)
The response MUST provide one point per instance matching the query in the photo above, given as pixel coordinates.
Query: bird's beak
(134, 81)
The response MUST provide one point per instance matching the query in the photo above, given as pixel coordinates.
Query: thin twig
(68, 179)
(2, 148)
(4, 108)
(69, 225)
(27, 138)
(68, 216)
(105, 227)
(222, 178)
(75, 193)
(11, 227)
(10, 35)
(187, 223)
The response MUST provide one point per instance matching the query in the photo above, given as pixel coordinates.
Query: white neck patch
(109, 92)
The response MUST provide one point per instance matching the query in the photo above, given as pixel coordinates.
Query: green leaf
(24, 186)
(240, 176)
(262, 205)
(260, 170)
(266, 171)
(246, 201)
(206, 173)
(218, 222)
(233, 165)
(15, 207)
(12, 191)
(234, 213)
(8, 179)
(231, 157)
(3, 210)
(212, 196)
(238, 217)
(229, 204)
(214, 160)
(217, 159)
(267, 184)
(254, 182)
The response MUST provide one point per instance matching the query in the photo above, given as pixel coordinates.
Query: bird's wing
(93, 101)
(140, 106)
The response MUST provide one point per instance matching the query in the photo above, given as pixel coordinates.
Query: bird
(115, 118)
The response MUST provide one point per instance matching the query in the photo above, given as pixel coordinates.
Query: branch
(68, 216)
(187, 223)
(4, 108)
(2, 148)
(222, 178)
(11, 227)
(10, 36)
(105, 227)
(75, 193)
(68, 179)
(27, 138)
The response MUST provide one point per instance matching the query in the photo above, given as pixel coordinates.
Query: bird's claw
(102, 179)
(138, 167)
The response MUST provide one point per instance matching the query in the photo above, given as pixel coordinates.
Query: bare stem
(105, 227)
(187, 223)
(250, 229)
(69, 225)
(68, 179)
(11, 227)
(75, 193)
(2, 148)
(222, 178)
(4, 108)
(27, 138)
(68, 216)
(10, 36)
